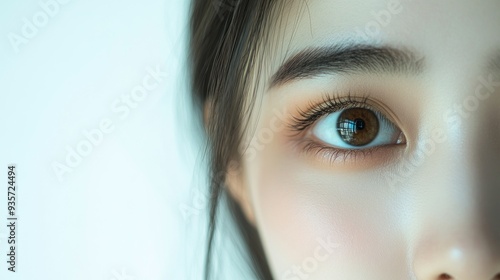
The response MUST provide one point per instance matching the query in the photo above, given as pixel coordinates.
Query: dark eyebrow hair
(346, 59)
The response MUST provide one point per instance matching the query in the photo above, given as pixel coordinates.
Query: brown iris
(357, 126)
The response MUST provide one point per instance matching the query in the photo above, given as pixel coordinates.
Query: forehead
(450, 34)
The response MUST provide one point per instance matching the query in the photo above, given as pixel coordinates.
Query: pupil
(360, 124)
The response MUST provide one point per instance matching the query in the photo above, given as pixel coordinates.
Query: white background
(117, 214)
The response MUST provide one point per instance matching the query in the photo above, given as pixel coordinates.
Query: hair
(225, 36)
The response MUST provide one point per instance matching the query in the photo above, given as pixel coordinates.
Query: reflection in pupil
(347, 129)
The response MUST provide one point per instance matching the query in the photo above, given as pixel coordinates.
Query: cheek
(325, 223)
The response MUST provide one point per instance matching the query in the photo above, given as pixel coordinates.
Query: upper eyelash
(329, 104)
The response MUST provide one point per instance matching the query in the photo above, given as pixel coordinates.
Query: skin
(439, 218)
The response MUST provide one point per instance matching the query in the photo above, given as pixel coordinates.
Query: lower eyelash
(332, 154)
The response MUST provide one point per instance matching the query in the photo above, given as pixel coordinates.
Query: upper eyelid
(317, 110)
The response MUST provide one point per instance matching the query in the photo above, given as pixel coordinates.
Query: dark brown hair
(224, 44)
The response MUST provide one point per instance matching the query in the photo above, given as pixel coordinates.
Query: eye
(356, 128)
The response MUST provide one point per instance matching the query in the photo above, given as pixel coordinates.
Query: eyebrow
(346, 59)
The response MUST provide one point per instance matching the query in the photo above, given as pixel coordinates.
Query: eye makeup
(344, 127)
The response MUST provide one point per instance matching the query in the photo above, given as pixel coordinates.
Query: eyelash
(330, 103)
(333, 154)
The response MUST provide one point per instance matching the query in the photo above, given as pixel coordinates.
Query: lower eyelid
(332, 154)
(377, 156)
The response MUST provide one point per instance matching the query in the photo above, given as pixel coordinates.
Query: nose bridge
(481, 156)
(486, 151)
(459, 203)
